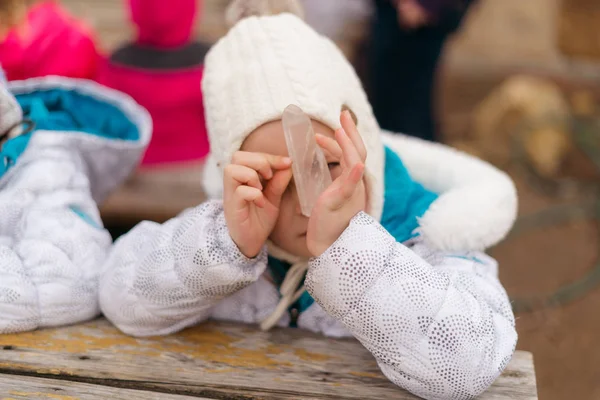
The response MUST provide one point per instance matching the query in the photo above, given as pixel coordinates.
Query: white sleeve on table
(439, 325)
(162, 278)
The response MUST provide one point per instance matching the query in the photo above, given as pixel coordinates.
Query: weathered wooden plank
(223, 361)
(14, 387)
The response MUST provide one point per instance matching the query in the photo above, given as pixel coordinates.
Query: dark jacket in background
(403, 65)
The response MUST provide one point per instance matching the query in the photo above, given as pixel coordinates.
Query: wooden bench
(155, 194)
(210, 361)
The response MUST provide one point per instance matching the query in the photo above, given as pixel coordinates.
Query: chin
(298, 251)
(294, 245)
(305, 253)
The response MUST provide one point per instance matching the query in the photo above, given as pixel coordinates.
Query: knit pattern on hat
(266, 63)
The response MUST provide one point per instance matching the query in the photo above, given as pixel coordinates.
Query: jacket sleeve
(439, 325)
(52, 246)
(162, 278)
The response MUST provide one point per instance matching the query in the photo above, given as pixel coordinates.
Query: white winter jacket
(438, 321)
(52, 245)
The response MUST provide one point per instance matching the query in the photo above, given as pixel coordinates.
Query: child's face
(289, 233)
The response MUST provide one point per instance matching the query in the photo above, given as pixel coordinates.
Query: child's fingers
(261, 162)
(329, 145)
(351, 181)
(279, 162)
(350, 127)
(349, 152)
(355, 175)
(346, 186)
(236, 175)
(256, 161)
(246, 194)
(277, 186)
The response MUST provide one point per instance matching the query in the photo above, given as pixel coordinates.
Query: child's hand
(251, 209)
(346, 196)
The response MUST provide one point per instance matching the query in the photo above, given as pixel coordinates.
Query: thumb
(277, 186)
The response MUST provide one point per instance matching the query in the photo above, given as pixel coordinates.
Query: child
(46, 40)
(162, 70)
(63, 147)
(388, 261)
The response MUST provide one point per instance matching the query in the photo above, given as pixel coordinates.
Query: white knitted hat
(264, 64)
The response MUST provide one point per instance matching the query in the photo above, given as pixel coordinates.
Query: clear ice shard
(309, 166)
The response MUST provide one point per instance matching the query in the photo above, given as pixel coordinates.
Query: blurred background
(514, 82)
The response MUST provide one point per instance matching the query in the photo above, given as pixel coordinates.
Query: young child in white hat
(396, 264)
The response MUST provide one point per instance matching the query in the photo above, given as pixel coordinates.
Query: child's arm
(440, 326)
(162, 278)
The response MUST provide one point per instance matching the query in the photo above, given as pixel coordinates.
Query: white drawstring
(289, 293)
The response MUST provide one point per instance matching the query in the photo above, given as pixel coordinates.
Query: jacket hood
(106, 128)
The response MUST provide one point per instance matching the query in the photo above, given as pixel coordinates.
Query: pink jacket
(51, 42)
(162, 71)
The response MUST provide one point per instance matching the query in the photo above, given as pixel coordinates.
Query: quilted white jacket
(52, 244)
(438, 322)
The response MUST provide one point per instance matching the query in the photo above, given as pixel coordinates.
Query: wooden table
(210, 361)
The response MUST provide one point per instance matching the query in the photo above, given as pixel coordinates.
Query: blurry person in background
(42, 38)
(162, 69)
(407, 39)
